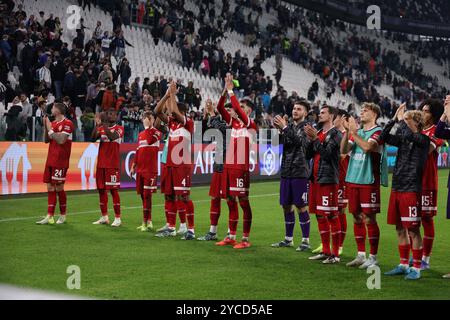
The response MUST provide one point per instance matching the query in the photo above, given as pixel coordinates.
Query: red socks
(51, 203)
(343, 222)
(62, 197)
(103, 201)
(324, 230)
(171, 213)
(428, 235)
(247, 210)
(335, 234)
(181, 208)
(403, 250)
(166, 210)
(360, 236)
(417, 257)
(373, 232)
(234, 216)
(147, 205)
(116, 202)
(189, 214)
(214, 211)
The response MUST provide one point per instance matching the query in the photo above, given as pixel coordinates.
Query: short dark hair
(332, 110)
(182, 107)
(342, 113)
(436, 108)
(303, 103)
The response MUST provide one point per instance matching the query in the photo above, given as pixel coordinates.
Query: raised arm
(173, 106)
(346, 147)
(47, 127)
(386, 136)
(95, 134)
(221, 108)
(442, 128)
(161, 108)
(229, 86)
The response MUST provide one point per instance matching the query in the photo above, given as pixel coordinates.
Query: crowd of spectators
(354, 67)
(82, 74)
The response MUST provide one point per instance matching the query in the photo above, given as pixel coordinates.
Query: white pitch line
(123, 208)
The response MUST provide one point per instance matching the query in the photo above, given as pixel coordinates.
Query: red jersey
(321, 135)
(59, 154)
(146, 158)
(238, 150)
(109, 151)
(180, 137)
(376, 155)
(430, 176)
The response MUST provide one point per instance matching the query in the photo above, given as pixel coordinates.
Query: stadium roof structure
(342, 10)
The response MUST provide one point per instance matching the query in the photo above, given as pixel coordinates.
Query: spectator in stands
(124, 71)
(87, 123)
(109, 98)
(106, 75)
(16, 130)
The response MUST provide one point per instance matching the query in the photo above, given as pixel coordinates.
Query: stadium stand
(307, 54)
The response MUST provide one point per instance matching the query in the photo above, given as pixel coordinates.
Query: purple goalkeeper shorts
(294, 191)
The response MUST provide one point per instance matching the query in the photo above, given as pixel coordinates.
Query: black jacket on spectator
(330, 153)
(295, 143)
(411, 156)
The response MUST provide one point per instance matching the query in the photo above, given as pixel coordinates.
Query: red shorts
(404, 209)
(429, 203)
(363, 198)
(177, 180)
(107, 178)
(235, 183)
(215, 189)
(342, 196)
(55, 175)
(146, 182)
(323, 199)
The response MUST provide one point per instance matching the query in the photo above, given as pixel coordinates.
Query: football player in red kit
(342, 191)
(176, 182)
(108, 164)
(236, 172)
(323, 199)
(145, 165)
(432, 110)
(59, 135)
(404, 209)
(215, 122)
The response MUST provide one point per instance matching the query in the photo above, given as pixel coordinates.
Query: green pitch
(126, 264)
